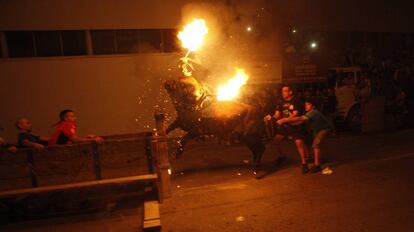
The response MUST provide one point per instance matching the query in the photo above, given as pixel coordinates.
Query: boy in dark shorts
(289, 107)
(320, 127)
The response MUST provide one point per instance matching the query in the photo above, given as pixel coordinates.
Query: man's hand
(98, 139)
(267, 118)
(12, 149)
(281, 121)
(38, 146)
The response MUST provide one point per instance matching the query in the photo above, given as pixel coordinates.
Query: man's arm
(28, 143)
(294, 119)
(77, 139)
(44, 138)
(277, 114)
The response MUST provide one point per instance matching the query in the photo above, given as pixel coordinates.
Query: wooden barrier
(56, 165)
(160, 154)
(59, 174)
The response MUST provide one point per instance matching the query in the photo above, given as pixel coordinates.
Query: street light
(313, 45)
(249, 29)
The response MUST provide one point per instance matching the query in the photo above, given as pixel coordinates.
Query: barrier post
(160, 153)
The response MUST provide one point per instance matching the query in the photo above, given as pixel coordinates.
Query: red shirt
(64, 130)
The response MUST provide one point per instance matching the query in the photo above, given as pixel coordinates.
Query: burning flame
(193, 34)
(230, 90)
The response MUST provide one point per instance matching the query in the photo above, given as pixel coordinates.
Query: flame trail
(193, 34)
(191, 37)
(230, 90)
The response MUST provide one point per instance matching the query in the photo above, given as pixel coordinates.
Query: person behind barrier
(66, 132)
(26, 138)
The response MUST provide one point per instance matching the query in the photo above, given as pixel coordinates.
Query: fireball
(192, 35)
(230, 90)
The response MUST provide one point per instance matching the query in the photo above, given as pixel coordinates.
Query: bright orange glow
(230, 90)
(192, 35)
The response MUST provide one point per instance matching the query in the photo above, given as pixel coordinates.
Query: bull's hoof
(255, 168)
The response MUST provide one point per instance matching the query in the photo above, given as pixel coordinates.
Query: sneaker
(316, 169)
(305, 168)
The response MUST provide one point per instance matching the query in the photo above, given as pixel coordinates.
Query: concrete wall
(89, 14)
(110, 94)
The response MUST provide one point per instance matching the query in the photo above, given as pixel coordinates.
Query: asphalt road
(371, 188)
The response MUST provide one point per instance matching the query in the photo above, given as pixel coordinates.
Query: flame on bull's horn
(193, 34)
(230, 90)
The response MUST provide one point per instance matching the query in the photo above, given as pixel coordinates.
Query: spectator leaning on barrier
(26, 138)
(65, 132)
(320, 127)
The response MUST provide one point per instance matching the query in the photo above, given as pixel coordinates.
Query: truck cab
(351, 89)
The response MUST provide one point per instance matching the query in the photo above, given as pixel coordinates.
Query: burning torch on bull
(192, 38)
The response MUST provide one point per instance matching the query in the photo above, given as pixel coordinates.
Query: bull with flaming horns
(200, 113)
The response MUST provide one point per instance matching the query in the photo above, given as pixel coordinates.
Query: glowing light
(169, 171)
(192, 35)
(294, 31)
(231, 89)
(249, 28)
(313, 45)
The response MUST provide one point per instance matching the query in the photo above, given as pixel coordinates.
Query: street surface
(371, 189)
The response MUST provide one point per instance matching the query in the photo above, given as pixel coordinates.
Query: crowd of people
(65, 133)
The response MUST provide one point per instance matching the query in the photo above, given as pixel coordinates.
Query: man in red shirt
(66, 133)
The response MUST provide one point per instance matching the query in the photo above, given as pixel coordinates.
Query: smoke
(241, 34)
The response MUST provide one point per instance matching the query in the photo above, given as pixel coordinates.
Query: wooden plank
(151, 210)
(123, 180)
(127, 136)
(152, 225)
(121, 158)
(152, 219)
(64, 164)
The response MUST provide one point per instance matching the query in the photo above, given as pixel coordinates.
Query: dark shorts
(291, 132)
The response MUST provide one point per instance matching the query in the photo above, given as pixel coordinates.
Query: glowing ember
(193, 34)
(230, 90)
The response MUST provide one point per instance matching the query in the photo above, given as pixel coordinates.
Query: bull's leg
(183, 141)
(259, 149)
(256, 146)
(174, 125)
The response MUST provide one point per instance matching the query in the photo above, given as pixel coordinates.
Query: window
(74, 43)
(103, 42)
(150, 40)
(170, 41)
(20, 43)
(127, 41)
(48, 43)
